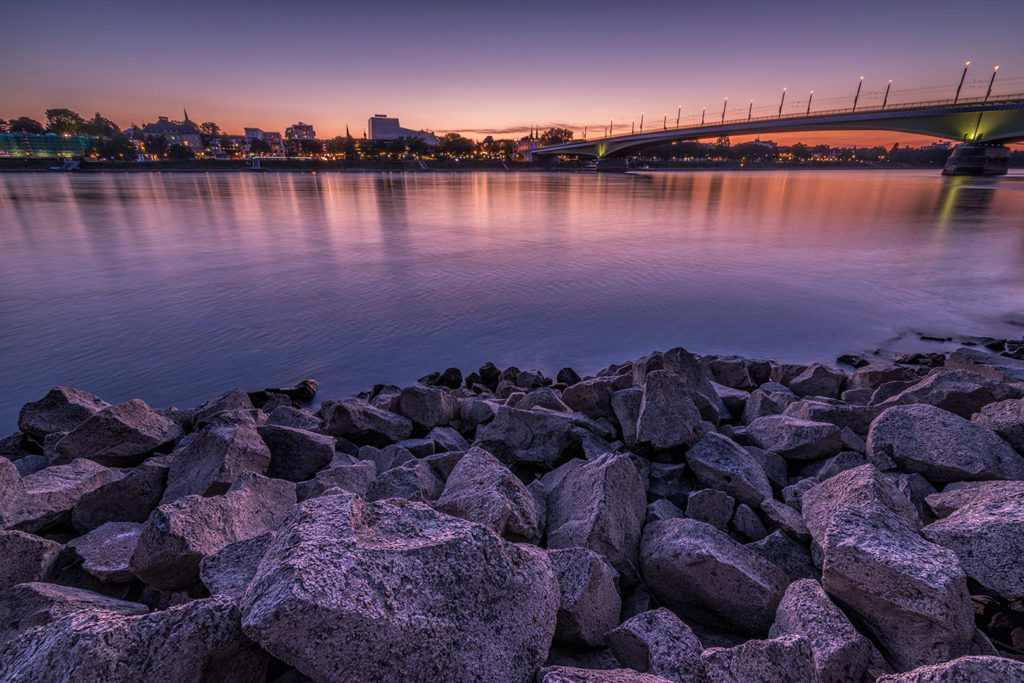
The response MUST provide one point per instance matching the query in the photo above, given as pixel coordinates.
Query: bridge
(983, 124)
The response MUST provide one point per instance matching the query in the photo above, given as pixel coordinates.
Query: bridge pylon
(978, 159)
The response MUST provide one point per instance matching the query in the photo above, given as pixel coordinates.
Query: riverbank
(670, 517)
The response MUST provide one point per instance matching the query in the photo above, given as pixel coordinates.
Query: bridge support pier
(612, 165)
(972, 158)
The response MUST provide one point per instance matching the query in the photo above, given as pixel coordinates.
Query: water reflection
(174, 287)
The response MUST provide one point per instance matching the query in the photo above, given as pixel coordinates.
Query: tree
(259, 147)
(100, 127)
(311, 147)
(118, 147)
(24, 124)
(209, 128)
(454, 144)
(555, 136)
(156, 144)
(180, 152)
(64, 121)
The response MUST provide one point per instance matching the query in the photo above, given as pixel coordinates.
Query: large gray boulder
(702, 574)
(940, 446)
(660, 643)
(669, 420)
(787, 659)
(128, 499)
(481, 489)
(840, 652)
(791, 557)
(997, 368)
(427, 407)
(857, 418)
(795, 439)
(32, 604)
(13, 493)
(959, 494)
(118, 436)
(911, 593)
(873, 375)
(413, 480)
(971, 669)
(572, 674)
(214, 457)
(600, 505)
(296, 454)
(1005, 418)
(771, 398)
(589, 605)
(25, 557)
(355, 478)
(719, 462)
(51, 493)
(987, 534)
(534, 439)
(819, 380)
(626, 406)
(592, 397)
(412, 594)
(958, 391)
(363, 423)
(234, 400)
(198, 641)
(106, 550)
(61, 410)
(229, 570)
(178, 535)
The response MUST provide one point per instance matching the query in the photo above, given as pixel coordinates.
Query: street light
(887, 89)
(724, 105)
(641, 122)
(750, 109)
(679, 113)
(702, 112)
(991, 81)
(962, 77)
(782, 102)
(809, 103)
(857, 96)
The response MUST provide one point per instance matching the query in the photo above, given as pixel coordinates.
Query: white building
(382, 127)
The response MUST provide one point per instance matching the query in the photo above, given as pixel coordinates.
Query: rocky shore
(675, 518)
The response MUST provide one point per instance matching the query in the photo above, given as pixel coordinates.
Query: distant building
(184, 133)
(300, 131)
(382, 127)
(48, 145)
(273, 139)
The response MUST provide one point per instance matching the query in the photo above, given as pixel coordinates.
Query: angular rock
(662, 509)
(589, 605)
(229, 570)
(128, 499)
(288, 416)
(412, 593)
(358, 421)
(963, 670)
(785, 553)
(198, 641)
(786, 659)
(668, 418)
(747, 524)
(51, 492)
(214, 458)
(118, 436)
(941, 446)
(412, 480)
(770, 398)
(570, 674)
(626, 406)
(719, 462)
(427, 407)
(658, 642)
(296, 454)
(355, 478)
(856, 418)
(702, 574)
(911, 593)
(1005, 418)
(873, 375)
(24, 558)
(996, 368)
(531, 438)
(178, 535)
(447, 439)
(783, 373)
(711, 506)
(61, 410)
(960, 392)
(106, 550)
(795, 439)
(730, 371)
(600, 505)
(592, 397)
(780, 516)
(793, 494)
(735, 400)
(28, 605)
(818, 380)
(481, 489)
(13, 493)
(236, 399)
(840, 652)
(957, 495)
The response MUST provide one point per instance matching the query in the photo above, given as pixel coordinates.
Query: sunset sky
(482, 69)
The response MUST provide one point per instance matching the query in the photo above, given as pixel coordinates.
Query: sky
(496, 68)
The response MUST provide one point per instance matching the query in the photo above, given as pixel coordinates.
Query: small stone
(747, 524)
(660, 643)
(711, 506)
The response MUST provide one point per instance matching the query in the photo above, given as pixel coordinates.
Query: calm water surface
(175, 287)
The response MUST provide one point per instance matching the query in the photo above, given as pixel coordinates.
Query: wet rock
(840, 652)
(214, 458)
(668, 418)
(61, 410)
(781, 516)
(711, 506)
(533, 438)
(198, 641)
(589, 604)
(413, 593)
(296, 454)
(236, 399)
(787, 659)
(600, 505)
(25, 557)
(719, 462)
(128, 499)
(785, 553)
(702, 574)
(818, 380)
(911, 593)
(297, 418)
(592, 397)
(358, 421)
(1005, 418)
(427, 407)
(795, 439)
(412, 480)
(51, 492)
(569, 674)
(118, 436)
(28, 605)
(106, 550)
(658, 642)
(178, 535)
(963, 670)
(957, 391)
(481, 489)
(941, 446)
(229, 570)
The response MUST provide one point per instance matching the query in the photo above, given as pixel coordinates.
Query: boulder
(941, 446)
(719, 462)
(658, 642)
(840, 652)
(781, 516)
(32, 604)
(118, 436)
(411, 592)
(735, 400)
(198, 641)
(599, 505)
(233, 400)
(535, 439)
(784, 373)
(787, 659)
(857, 418)
(481, 489)
(128, 499)
(25, 557)
(447, 439)
(668, 418)
(355, 478)
(297, 418)
(818, 380)
(61, 410)
(959, 494)
(730, 371)
(963, 670)
(702, 574)
(712, 506)
(52, 492)
(571, 674)
(229, 570)
(910, 593)
(178, 535)
(106, 550)
(873, 375)
(363, 423)
(997, 368)
(771, 398)
(787, 554)
(626, 406)
(795, 439)
(662, 509)
(592, 397)
(589, 605)
(213, 459)
(296, 454)
(960, 392)
(412, 480)
(427, 407)
(13, 493)
(747, 524)
(1005, 418)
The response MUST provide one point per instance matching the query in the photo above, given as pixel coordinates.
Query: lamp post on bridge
(811, 97)
(641, 122)
(857, 96)
(962, 77)
(702, 112)
(782, 102)
(750, 110)
(991, 81)
(679, 113)
(887, 89)
(724, 105)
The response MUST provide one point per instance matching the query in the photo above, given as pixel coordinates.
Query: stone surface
(214, 458)
(128, 499)
(198, 641)
(702, 574)
(959, 494)
(840, 652)
(997, 368)
(960, 392)
(51, 493)
(600, 505)
(857, 418)
(236, 399)
(412, 480)
(626, 406)
(747, 524)
(941, 446)
(786, 659)
(795, 439)
(481, 489)
(296, 454)
(668, 418)
(288, 416)
(355, 478)
(447, 439)
(532, 438)
(118, 436)
(589, 604)
(358, 421)
(911, 593)
(963, 670)
(412, 593)
(592, 397)
(1005, 418)
(660, 643)
(25, 557)
(13, 493)
(711, 506)
(28, 605)
(427, 407)
(61, 410)
(719, 462)
(770, 398)
(873, 375)
(781, 516)
(787, 554)
(570, 674)
(818, 380)
(106, 550)
(229, 570)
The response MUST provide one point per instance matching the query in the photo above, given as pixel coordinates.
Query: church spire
(186, 114)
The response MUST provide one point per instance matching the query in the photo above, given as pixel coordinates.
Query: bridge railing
(964, 102)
